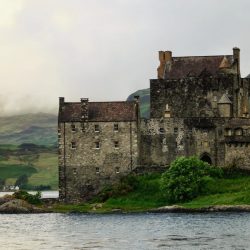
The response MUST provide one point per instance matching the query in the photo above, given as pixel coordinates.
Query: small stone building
(98, 143)
(199, 106)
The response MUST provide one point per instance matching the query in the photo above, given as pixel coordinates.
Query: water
(131, 231)
(44, 194)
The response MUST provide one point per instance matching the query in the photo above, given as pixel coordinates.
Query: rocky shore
(15, 206)
(216, 208)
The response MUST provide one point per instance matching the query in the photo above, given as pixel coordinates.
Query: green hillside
(40, 128)
(144, 101)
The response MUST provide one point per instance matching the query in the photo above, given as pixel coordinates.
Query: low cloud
(104, 50)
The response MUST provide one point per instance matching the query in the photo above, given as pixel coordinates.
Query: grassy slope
(44, 171)
(37, 128)
(147, 195)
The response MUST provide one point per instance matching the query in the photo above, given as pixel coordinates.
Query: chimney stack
(165, 57)
(61, 101)
(236, 55)
(84, 109)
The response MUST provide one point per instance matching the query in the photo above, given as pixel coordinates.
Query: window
(97, 128)
(117, 170)
(97, 145)
(73, 127)
(116, 127)
(161, 130)
(97, 170)
(238, 131)
(116, 144)
(74, 171)
(175, 130)
(228, 132)
(73, 144)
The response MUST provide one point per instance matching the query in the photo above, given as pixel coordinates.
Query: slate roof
(99, 111)
(181, 67)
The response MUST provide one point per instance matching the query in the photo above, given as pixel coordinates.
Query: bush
(187, 178)
(30, 198)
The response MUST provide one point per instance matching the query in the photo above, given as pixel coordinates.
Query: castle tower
(225, 106)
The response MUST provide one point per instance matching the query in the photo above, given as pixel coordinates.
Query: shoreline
(164, 209)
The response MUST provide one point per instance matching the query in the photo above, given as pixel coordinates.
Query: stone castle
(199, 106)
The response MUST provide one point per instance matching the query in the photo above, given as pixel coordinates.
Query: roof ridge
(201, 56)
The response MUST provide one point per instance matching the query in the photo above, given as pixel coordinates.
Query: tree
(2, 183)
(21, 180)
(186, 178)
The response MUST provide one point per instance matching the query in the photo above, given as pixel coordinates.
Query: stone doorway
(206, 158)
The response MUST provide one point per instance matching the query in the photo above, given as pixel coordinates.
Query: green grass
(226, 191)
(146, 194)
(15, 170)
(43, 172)
(47, 171)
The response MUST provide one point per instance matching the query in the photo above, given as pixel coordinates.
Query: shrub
(30, 198)
(187, 178)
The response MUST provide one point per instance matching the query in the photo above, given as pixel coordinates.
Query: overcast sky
(106, 49)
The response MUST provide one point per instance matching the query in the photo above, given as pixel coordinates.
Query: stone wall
(192, 97)
(163, 140)
(83, 167)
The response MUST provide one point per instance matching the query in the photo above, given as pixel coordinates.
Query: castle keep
(199, 106)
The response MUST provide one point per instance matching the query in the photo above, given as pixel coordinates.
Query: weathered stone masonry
(199, 106)
(98, 149)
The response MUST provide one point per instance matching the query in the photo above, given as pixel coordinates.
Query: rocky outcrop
(19, 206)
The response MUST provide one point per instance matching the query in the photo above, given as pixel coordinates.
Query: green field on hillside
(43, 171)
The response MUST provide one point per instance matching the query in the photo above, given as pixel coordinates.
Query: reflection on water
(131, 231)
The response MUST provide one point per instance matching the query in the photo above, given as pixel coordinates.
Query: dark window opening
(116, 127)
(97, 144)
(73, 127)
(175, 130)
(161, 130)
(116, 144)
(97, 170)
(117, 170)
(97, 128)
(73, 144)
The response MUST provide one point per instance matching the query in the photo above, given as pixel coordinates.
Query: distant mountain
(144, 101)
(39, 128)
(248, 76)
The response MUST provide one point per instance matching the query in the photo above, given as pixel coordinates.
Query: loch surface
(125, 231)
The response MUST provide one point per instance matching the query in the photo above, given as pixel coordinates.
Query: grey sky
(106, 49)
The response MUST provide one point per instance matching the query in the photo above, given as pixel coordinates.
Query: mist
(105, 50)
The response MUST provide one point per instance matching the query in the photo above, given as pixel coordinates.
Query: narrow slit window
(117, 170)
(73, 144)
(74, 171)
(97, 128)
(73, 127)
(161, 130)
(116, 127)
(116, 144)
(97, 145)
(175, 130)
(97, 170)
